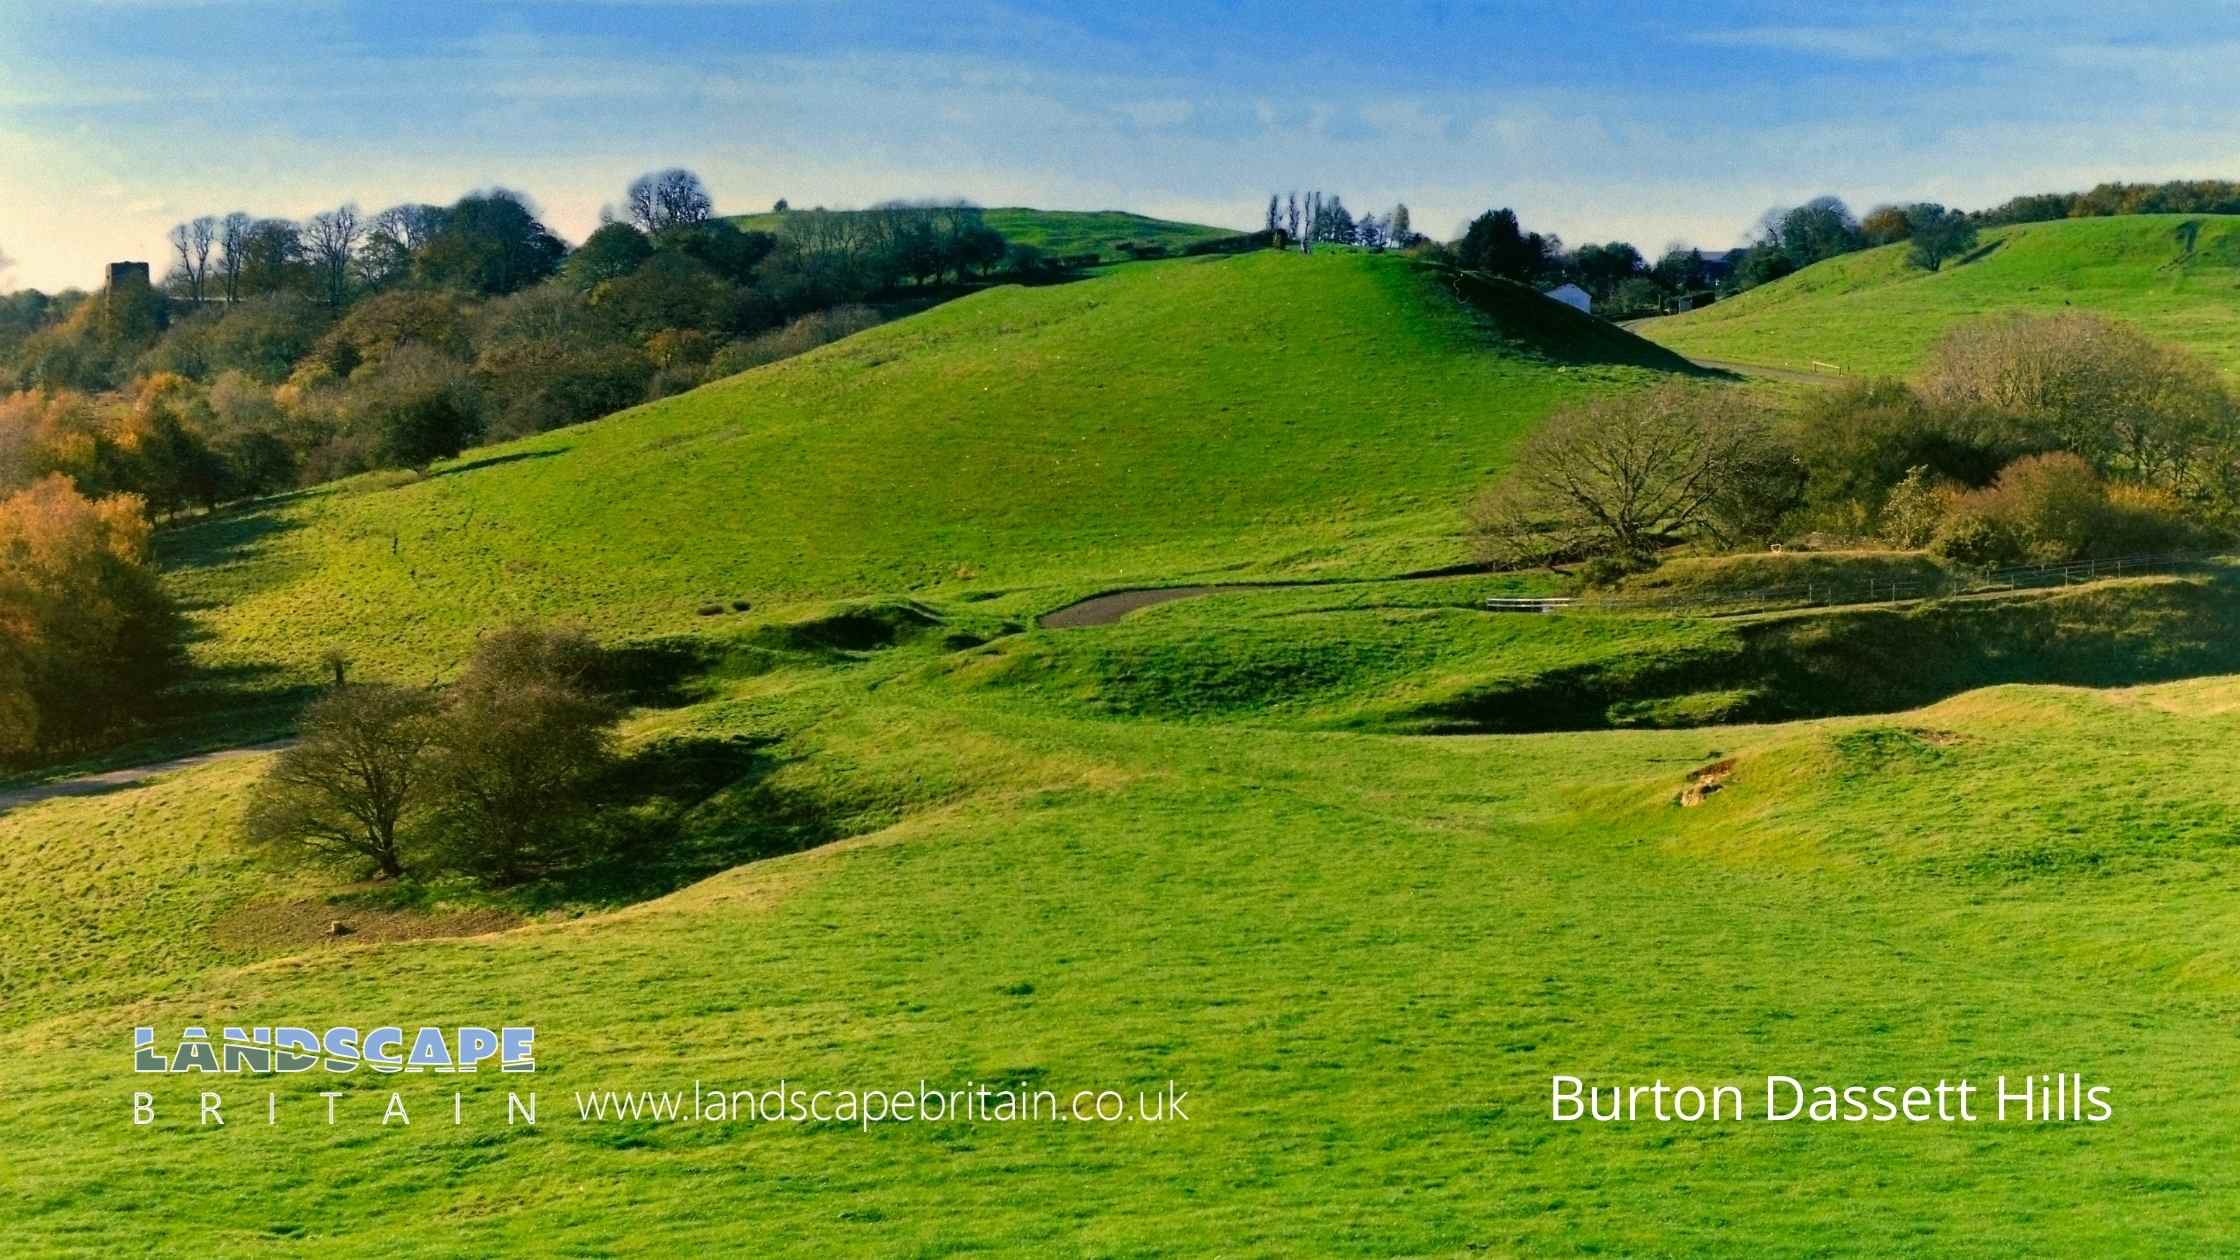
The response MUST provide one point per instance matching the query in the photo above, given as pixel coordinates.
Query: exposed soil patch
(286, 926)
(1702, 783)
(1103, 610)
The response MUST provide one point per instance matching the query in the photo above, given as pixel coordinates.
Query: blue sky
(1644, 122)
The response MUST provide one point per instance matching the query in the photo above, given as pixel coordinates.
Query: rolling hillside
(2176, 276)
(908, 839)
(1262, 414)
(1361, 957)
(1065, 232)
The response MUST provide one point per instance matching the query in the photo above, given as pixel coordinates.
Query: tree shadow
(219, 540)
(677, 811)
(493, 461)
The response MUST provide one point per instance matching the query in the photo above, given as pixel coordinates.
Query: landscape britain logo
(291, 1049)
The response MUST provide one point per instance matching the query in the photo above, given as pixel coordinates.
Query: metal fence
(1836, 591)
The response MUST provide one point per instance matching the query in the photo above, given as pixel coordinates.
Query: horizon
(1651, 127)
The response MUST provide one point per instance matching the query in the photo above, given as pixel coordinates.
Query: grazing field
(1362, 956)
(1267, 414)
(2176, 276)
(1064, 233)
(1354, 864)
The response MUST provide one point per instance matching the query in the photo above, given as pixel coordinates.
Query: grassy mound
(1067, 904)
(1423, 659)
(2176, 276)
(1064, 233)
(1264, 414)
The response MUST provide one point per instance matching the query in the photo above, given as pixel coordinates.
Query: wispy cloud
(1712, 114)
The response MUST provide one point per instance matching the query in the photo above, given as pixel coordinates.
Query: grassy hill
(909, 839)
(2176, 276)
(1269, 413)
(1363, 957)
(1064, 232)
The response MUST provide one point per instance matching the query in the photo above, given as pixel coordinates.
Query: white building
(1573, 296)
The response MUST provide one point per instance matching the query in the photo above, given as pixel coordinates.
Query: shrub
(799, 337)
(1914, 508)
(1972, 535)
(2092, 385)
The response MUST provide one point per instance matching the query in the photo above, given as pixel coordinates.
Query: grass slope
(1420, 658)
(2176, 276)
(1263, 414)
(1064, 232)
(1362, 956)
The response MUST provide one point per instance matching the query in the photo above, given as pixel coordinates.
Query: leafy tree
(1601, 268)
(613, 251)
(1819, 229)
(1275, 213)
(1681, 269)
(420, 407)
(90, 637)
(1763, 264)
(272, 259)
(527, 736)
(1937, 234)
(720, 246)
(1403, 233)
(1497, 244)
(356, 781)
(1885, 224)
(490, 243)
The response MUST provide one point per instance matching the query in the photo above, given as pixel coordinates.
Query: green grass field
(2175, 276)
(1363, 956)
(1064, 233)
(908, 836)
(1267, 414)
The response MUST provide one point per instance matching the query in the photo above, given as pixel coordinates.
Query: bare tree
(392, 238)
(1623, 476)
(331, 239)
(666, 199)
(192, 241)
(347, 791)
(233, 243)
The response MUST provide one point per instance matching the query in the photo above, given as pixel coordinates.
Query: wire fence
(1896, 588)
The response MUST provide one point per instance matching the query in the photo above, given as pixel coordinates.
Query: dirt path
(1111, 606)
(1103, 610)
(107, 781)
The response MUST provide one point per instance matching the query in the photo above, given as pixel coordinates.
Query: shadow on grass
(678, 811)
(219, 540)
(493, 461)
